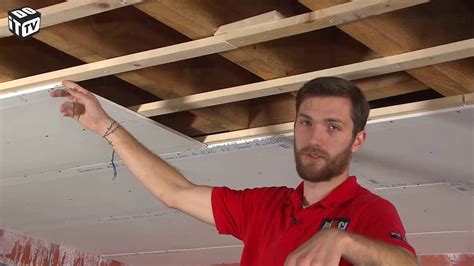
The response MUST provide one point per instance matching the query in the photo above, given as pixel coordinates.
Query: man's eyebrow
(334, 120)
(330, 120)
(305, 116)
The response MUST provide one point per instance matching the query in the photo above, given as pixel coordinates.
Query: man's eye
(305, 123)
(334, 128)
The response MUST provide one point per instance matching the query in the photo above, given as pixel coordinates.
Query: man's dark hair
(334, 86)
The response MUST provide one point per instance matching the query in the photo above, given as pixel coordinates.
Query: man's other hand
(84, 107)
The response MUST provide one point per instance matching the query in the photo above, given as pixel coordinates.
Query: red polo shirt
(272, 223)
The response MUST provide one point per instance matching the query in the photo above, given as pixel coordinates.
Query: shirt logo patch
(397, 236)
(337, 223)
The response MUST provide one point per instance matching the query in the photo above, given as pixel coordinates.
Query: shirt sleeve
(236, 212)
(381, 221)
(228, 208)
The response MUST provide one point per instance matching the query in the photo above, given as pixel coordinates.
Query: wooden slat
(415, 59)
(70, 10)
(264, 18)
(469, 99)
(380, 113)
(417, 107)
(416, 28)
(389, 85)
(273, 130)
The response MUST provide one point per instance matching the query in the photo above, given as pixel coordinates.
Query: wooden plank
(396, 63)
(193, 123)
(4, 78)
(250, 22)
(389, 85)
(453, 23)
(319, 19)
(379, 113)
(70, 10)
(417, 107)
(279, 129)
(469, 99)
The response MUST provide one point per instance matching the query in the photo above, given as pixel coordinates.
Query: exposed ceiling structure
(130, 27)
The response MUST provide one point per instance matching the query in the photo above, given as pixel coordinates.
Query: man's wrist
(102, 126)
(110, 129)
(345, 241)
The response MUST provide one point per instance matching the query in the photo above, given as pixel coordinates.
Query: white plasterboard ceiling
(35, 138)
(421, 163)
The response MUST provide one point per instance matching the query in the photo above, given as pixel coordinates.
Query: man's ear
(359, 141)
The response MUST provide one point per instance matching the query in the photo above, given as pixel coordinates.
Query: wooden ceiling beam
(413, 29)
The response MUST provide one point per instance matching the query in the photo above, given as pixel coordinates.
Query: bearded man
(328, 219)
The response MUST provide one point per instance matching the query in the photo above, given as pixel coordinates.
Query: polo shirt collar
(342, 193)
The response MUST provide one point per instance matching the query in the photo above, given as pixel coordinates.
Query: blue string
(113, 165)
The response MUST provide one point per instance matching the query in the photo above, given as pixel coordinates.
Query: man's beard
(333, 167)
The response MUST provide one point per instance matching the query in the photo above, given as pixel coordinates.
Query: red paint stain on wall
(16, 249)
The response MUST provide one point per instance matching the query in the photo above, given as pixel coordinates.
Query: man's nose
(318, 136)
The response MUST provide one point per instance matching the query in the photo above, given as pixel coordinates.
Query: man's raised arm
(163, 180)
